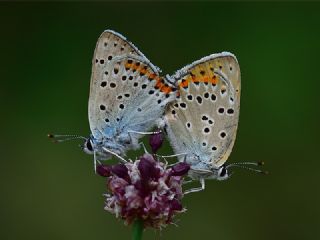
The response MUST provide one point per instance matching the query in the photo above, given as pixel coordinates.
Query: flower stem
(137, 229)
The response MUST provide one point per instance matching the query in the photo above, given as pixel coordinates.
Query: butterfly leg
(144, 133)
(165, 162)
(196, 189)
(169, 156)
(187, 181)
(95, 162)
(116, 155)
(161, 158)
(143, 146)
(141, 143)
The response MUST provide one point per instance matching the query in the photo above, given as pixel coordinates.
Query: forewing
(203, 121)
(137, 98)
(108, 80)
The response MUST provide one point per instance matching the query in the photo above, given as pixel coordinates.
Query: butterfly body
(202, 122)
(127, 96)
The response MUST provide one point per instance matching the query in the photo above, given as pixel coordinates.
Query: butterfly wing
(203, 121)
(126, 93)
(110, 45)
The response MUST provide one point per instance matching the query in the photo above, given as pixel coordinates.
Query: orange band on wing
(184, 83)
(166, 89)
(151, 76)
(214, 79)
(204, 79)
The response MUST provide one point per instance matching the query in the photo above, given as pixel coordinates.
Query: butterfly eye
(87, 147)
(222, 172)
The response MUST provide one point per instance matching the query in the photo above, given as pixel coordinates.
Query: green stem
(137, 230)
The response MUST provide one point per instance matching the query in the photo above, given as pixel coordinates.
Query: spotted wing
(126, 92)
(203, 121)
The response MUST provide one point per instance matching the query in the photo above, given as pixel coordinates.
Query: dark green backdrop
(49, 191)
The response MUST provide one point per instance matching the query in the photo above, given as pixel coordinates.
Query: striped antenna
(243, 165)
(58, 138)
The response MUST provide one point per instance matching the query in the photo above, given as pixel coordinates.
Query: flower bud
(120, 170)
(103, 170)
(147, 169)
(176, 205)
(156, 141)
(180, 169)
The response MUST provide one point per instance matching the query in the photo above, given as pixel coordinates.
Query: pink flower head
(145, 189)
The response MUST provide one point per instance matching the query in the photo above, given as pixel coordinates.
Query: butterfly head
(218, 173)
(223, 172)
(91, 146)
(101, 150)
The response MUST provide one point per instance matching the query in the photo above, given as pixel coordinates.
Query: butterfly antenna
(57, 138)
(243, 165)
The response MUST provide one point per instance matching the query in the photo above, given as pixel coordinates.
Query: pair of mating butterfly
(198, 106)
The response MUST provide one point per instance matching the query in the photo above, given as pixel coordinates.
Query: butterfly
(202, 122)
(127, 97)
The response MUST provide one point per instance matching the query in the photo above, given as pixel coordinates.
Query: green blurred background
(49, 191)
